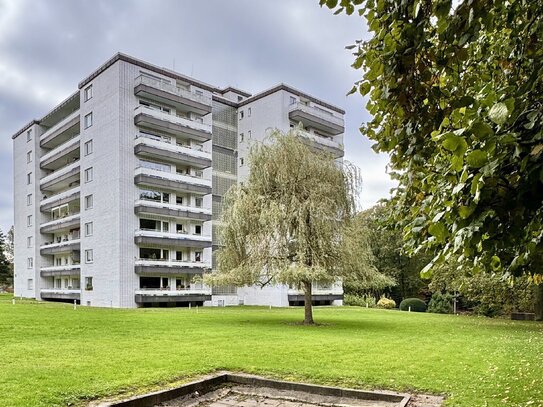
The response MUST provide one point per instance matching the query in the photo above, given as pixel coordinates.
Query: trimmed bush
(386, 303)
(359, 301)
(416, 304)
(441, 303)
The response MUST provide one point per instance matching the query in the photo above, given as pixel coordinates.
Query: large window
(150, 282)
(150, 195)
(155, 166)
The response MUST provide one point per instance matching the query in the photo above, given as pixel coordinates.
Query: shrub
(416, 305)
(359, 301)
(386, 303)
(441, 303)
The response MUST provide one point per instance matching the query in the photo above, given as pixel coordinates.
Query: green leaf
(481, 130)
(451, 142)
(438, 230)
(465, 211)
(476, 159)
(499, 113)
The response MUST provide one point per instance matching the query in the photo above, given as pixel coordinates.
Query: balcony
(322, 143)
(154, 119)
(61, 132)
(62, 178)
(60, 198)
(165, 239)
(171, 181)
(319, 292)
(192, 295)
(171, 153)
(171, 211)
(60, 271)
(66, 222)
(60, 294)
(170, 267)
(312, 116)
(163, 92)
(64, 246)
(59, 156)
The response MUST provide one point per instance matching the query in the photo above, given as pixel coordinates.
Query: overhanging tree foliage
(290, 221)
(456, 97)
(6, 273)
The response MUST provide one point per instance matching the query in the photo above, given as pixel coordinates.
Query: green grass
(53, 355)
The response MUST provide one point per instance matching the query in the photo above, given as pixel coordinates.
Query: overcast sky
(47, 47)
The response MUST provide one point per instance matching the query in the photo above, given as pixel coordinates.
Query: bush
(441, 303)
(359, 301)
(416, 305)
(386, 303)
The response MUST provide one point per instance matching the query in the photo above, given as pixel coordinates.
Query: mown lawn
(52, 355)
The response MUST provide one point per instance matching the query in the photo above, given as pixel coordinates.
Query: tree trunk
(308, 320)
(539, 302)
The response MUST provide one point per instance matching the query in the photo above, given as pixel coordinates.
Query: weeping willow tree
(290, 222)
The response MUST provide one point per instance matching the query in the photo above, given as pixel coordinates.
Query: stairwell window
(88, 174)
(30, 284)
(29, 135)
(88, 229)
(88, 202)
(29, 200)
(249, 112)
(88, 93)
(88, 285)
(29, 220)
(292, 100)
(89, 257)
(29, 262)
(241, 114)
(29, 157)
(29, 178)
(88, 147)
(88, 120)
(29, 241)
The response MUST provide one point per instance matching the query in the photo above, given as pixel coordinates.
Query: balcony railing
(60, 172)
(325, 141)
(146, 140)
(150, 203)
(167, 292)
(58, 150)
(64, 219)
(66, 267)
(170, 88)
(59, 125)
(172, 263)
(192, 124)
(317, 112)
(174, 236)
(189, 179)
(61, 195)
(62, 243)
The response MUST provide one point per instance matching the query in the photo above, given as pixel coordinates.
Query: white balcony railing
(172, 263)
(317, 112)
(63, 243)
(325, 141)
(153, 204)
(173, 176)
(173, 119)
(171, 88)
(61, 195)
(66, 267)
(60, 172)
(173, 236)
(59, 291)
(141, 139)
(61, 123)
(320, 289)
(58, 150)
(60, 221)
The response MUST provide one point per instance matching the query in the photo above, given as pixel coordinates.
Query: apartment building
(118, 190)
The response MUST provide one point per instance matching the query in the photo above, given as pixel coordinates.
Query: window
(198, 202)
(88, 285)
(29, 220)
(88, 229)
(88, 174)
(240, 98)
(30, 284)
(249, 134)
(88, 93)
(241, 114)
(198, 230)
(241, 137)
(58, 283)
(89, 256)
(29, 135)
(29, 200)
(88, 120)
(198, 92)
(292, 100)
(29, 178)
(179, 200)
(249, 112)
(29, 157)
(241, 161)
(29, 262)
(29, 241)
(197, 256)
(88, 202)
(88, 147)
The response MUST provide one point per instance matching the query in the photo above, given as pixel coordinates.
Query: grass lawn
(53, 355)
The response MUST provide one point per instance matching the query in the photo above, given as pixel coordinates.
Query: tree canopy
(455, 93)
(289, 222)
